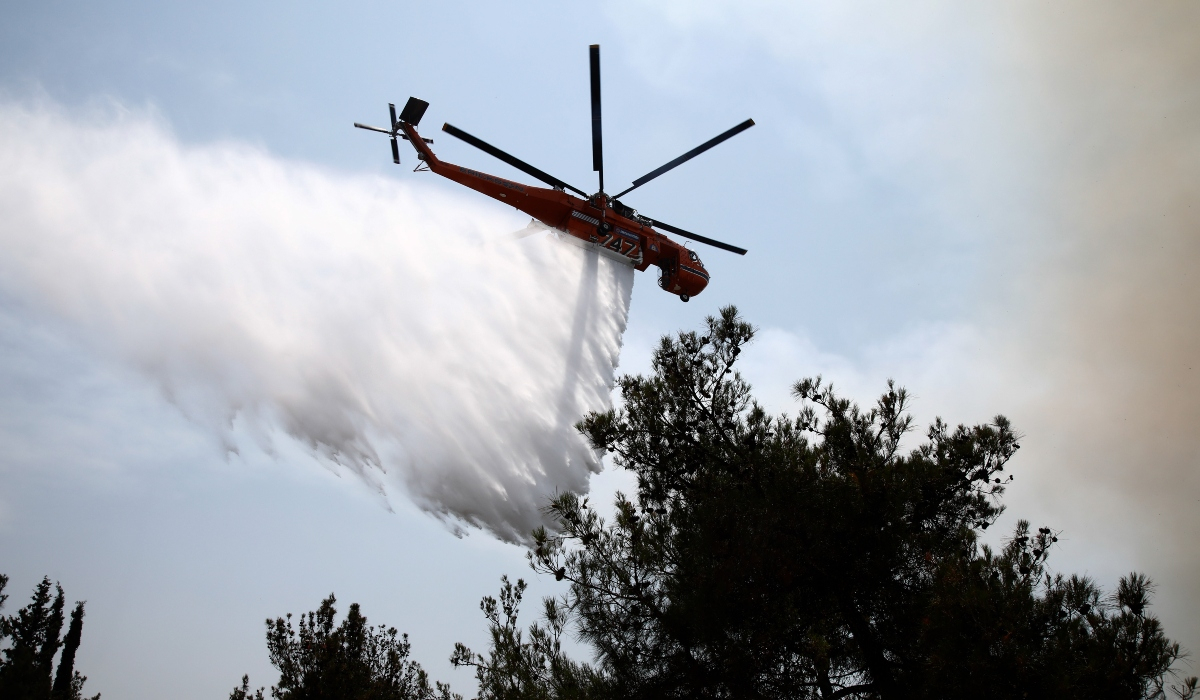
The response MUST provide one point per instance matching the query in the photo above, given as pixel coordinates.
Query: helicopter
(601, 221)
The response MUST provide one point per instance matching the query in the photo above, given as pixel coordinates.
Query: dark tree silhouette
(350, 661)
(518, 667)
(812, 557)
(68, 684)
(32, 639)
(775, 557)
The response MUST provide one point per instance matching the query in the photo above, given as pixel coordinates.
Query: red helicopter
(601, 221)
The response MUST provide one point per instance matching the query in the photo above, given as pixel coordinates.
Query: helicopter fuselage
(598, 220)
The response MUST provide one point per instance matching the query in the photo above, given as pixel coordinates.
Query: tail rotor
(395, 128)
(411, 115)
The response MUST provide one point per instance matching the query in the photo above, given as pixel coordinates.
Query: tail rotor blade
(597, 141)
(690, 155)
(395, 151)
(697, 237)
(392, 110)
(511, 160)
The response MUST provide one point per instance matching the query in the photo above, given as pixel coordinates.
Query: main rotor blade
(597, 140)
(689, 155)
(511, 160)
(696, 237)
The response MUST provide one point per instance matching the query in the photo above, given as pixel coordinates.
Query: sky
(245, 360)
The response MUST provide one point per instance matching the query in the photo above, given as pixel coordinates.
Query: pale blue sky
(810, 182)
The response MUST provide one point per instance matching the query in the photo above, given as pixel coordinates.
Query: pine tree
(520, 667)
(33, 641)
(243, 692)
(319, 660)
(813, 557)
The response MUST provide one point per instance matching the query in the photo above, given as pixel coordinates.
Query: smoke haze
(398, 332)
(1115, 309)
(1074, 149)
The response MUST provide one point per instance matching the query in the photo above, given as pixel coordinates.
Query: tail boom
(596, 226)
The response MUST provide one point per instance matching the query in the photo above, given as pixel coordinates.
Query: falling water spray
(397, 331)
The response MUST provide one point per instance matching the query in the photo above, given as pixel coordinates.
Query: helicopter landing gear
(684, 298)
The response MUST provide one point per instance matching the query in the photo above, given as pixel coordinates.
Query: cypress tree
(34, 639)
(66, 665)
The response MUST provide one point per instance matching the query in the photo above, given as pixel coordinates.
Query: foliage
(32, 640)
(243, 692)
(776, 557)
(518, 668)
(350, 661)
(68, 683)
(802, 557)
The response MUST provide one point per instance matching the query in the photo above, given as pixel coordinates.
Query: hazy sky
(223, 309)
